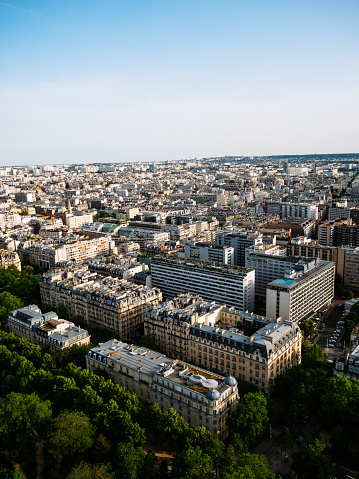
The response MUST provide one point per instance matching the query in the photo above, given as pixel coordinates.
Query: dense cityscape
(180, 319)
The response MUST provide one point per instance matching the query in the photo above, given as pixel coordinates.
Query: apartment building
(270, 267)
(170, 322)
(348, 364)
(25, 197)
(103, 301)
(75, 220)
(344, 235)
(301, 292)
(77, 250)
(335, 212)
(250, 347)
(9, 220)
(229, 285)
(46, 329)
(177, 232)
(303, 246)
(207, 252)
(351, 270)
(239, 242)
(201, 397)
(326, 231)
(299, 210)
(297, 226)
(9, 258)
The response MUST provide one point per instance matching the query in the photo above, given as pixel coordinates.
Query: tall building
(229, 285)
(201, 397)
(302, 246)
(326, 231)
(299, 294)
(239, 242)
(351, 270)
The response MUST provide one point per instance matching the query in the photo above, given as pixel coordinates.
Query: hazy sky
(129, 80)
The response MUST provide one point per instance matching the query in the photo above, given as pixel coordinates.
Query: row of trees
(91, 424)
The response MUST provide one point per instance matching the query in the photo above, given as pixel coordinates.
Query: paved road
(331, 319)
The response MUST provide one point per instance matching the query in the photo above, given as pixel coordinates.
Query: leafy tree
(339, 440)
(23, 284)
(62, 311)
(312, 356)
(287, 438)
(252, 466)
(11, 474)
(20, 416)
(307, 327)
(312, 462)
(250, 417)
(191, 464)
(148, 341)
(129, 460)
(338, 396)
(102, 449)
(89, 471)
(71, 432)
(8, 302)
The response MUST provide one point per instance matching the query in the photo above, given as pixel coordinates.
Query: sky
(84, 81)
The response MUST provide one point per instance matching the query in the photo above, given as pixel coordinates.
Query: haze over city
(122, 81)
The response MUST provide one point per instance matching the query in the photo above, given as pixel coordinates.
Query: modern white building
(49, 255)
(301, 293)
(230, 285)
(269, 267)
(74, 221)
(300, 210)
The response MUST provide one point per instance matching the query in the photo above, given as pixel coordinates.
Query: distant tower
(69, 207)
(286, 166)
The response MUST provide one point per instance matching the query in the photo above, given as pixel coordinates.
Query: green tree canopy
(20, 416)
(90, 471)
(8, 302)
(312, 462)
(192, 464)
(71, 433)
(312, 356)
(250, 417)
